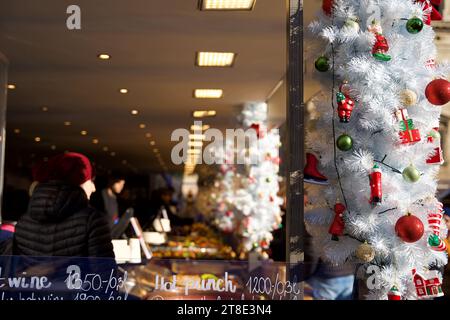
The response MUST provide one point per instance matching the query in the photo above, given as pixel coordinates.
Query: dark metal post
(3, 92)
(295, 129)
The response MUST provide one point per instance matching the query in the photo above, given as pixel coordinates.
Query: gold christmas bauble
(365, 252)
(408, 97)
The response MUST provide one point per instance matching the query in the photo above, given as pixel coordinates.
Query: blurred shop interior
(116, 89)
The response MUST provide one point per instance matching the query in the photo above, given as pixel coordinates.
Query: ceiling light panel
(203, 113)
(215, 59)
(208, 93)
(227, 4)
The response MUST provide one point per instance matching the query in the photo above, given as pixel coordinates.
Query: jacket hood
(54, 201)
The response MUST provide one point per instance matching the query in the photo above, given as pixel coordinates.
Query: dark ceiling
(153, 45)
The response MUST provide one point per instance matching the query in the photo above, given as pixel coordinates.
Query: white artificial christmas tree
(247, 202)
(378, 111)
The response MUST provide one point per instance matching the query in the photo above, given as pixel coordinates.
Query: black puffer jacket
(59, 222)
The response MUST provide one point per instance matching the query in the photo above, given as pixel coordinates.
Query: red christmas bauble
(438, 92)
(409, 228)
(327, 6)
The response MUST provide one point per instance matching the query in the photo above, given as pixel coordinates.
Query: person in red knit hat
(59, 220)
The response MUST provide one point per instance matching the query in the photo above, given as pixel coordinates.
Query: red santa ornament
(434, 224)
(338, 225)
(380, 47)
(430, 12)
(345, 106)
(376, 194)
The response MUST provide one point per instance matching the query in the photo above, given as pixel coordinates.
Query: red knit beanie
(72, 168)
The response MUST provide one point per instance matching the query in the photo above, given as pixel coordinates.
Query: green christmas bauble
(414, 25)
(433, 240)
(344, 142)
(411, 174)
(322, 64)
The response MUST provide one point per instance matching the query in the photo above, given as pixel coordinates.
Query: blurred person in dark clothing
(15, 204)
(162, 200)
(59, 220)
(328, 281)
(106, 200)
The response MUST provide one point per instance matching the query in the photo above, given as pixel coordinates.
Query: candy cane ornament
(434, 223)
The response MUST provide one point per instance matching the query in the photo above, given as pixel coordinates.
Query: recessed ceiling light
(203, 113)
(227, 4)
(142, 126)
(11, 86)
(123, 90)
(104, 56)
(124, 162)
(152, 143)
(84, 132)
(134, 112)
(148, 135)
(105, 148)
(16, 131)
(53, 147)
(45, 109)
(113, 154)
(208, 93)
(215, 59)
(95, 141)
(67, 123)
(37, 139)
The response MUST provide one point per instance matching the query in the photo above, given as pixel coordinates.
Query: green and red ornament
(345, 105)
(394, 294)
(438, 92)
(409, 228)
(338, 225)
(380, 48)
(322, 64)
(434, 224)
(408, 134)
(344, 142)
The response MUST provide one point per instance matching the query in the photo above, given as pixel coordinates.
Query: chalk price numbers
(277, 289)
(93, 282)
